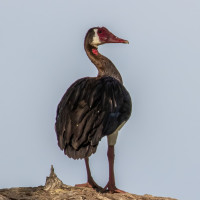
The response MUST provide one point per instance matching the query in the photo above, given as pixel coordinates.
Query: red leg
(90, 182)
(111, 183)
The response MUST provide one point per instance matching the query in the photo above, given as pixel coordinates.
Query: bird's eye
(100, 31)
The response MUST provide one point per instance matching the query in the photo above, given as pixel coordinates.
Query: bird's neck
(104, 65)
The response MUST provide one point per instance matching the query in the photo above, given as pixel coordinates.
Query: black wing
(90, 109)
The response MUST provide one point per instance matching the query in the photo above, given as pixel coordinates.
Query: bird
(94, 107)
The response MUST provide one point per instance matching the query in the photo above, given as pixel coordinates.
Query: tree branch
(54, 189)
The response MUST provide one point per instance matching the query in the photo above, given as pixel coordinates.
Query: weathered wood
(54, 189)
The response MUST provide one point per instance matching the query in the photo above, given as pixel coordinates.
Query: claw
(112, 189)
(90, 184)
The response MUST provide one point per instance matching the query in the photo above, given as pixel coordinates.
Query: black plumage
(94, 107)
(89, 110)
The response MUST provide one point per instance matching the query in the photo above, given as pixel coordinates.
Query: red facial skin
(106, 36)
(95, 51)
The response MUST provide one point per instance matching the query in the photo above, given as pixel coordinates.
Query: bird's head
(101, 35)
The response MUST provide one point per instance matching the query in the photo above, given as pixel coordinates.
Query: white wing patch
(96, 41)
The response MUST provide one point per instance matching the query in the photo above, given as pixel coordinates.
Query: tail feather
(83, 152)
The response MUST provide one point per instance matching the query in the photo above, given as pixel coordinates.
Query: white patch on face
(96, 41)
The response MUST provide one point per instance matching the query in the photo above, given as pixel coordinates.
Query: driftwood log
(54, 189)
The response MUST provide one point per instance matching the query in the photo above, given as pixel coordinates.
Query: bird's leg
(90, 181)
(111, 183)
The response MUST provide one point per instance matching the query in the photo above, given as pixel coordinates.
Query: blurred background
(42, 54)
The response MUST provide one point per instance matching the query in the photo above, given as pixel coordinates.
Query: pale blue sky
(42, 54)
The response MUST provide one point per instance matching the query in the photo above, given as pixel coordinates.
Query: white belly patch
(112, 138)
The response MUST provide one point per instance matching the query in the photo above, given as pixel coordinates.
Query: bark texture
(54, 189)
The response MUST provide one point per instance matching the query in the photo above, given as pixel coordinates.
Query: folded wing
(89, 110)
